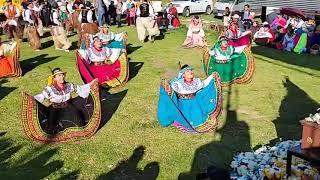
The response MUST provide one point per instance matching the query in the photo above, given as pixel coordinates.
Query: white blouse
(182, 88)
(98, 56)
(56, 96)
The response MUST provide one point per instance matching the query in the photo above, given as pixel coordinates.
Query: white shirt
(55, 96)
(106, 2)
(27, 16)
(182, 88)
(69, 8)
(55, 18)
(36, 8)
(96, 56)
(89, 16)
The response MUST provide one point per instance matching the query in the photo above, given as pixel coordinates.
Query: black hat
(88, 4)
(56, 71)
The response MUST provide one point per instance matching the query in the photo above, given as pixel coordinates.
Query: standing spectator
(45, 13)
(247, 17)
(100, 7)
(107, 11)
(119, 12)
(132, 15)
(173, 16)
(112, 12)
(226, 18)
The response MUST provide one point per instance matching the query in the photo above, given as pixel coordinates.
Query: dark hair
(55, 5)
(196, 17)
(88, 4)
(247, 5)
(279, 27)
(184, 66)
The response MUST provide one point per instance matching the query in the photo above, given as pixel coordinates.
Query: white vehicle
(187, 7)
(308, 6)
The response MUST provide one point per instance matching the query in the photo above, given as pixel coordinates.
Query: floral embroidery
(180, 86)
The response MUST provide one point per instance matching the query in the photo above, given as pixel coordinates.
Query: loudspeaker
(263, 13)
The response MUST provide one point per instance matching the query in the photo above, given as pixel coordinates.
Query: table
(311, 155)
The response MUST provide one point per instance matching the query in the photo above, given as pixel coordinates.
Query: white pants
(146, 26)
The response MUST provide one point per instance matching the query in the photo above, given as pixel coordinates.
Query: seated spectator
(288, 41)
(279, 21)
(254, 28)
(311, 25)
(265, 35)
(314, 38)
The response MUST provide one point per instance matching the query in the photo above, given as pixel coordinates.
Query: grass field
(132, 144)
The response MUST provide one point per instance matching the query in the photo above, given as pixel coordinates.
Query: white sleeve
(42, 96)
(138, 12)
(89, 16)
(55, 18)
(207, 81)
(69, 8)
(80, 17)
(151, 11)
(212, 52)
(83, 91)
(28, 14)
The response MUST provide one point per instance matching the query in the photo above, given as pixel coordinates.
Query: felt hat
(96, 38)
(223, 38)
(236, 16)
(54, 72)
(88, 5)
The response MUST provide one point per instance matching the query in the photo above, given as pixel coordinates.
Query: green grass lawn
(282, 92)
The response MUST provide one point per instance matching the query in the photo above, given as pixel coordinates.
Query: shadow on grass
(235, 138)
(295, 106)
(4, 91)
(31, 63)
(303, 60)
(131, 49)
(128, 169)
(134, 68)
(37, 167)
(47, 44)
(110, 104)
(74, 46)
(45, 35)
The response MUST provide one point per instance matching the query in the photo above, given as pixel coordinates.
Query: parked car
(187, 7)
(309, 6)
